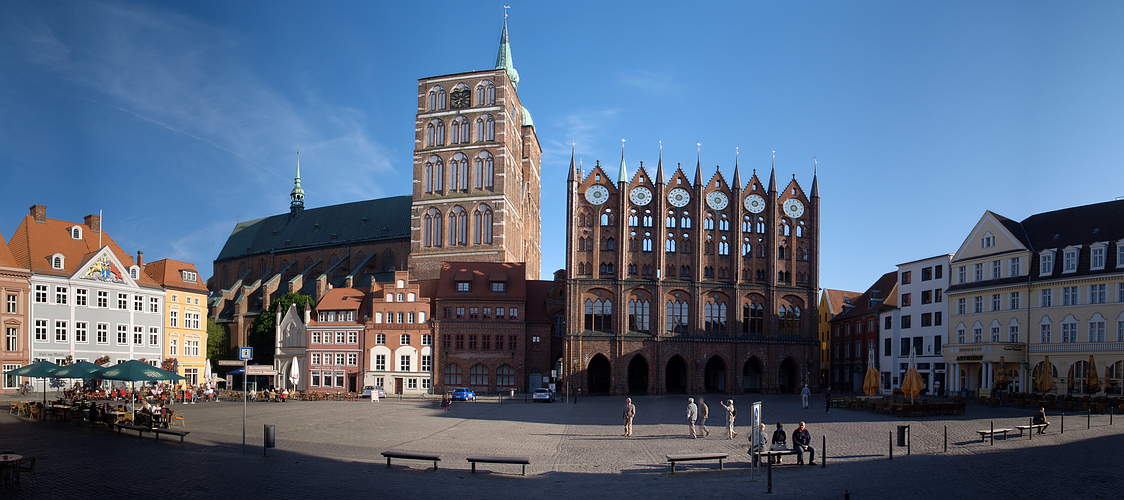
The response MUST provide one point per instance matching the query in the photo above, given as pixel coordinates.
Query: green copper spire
(503, 60)
(296, 196)
(623, 175)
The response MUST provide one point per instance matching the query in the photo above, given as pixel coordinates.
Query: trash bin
(903, 435)
(512, 393)
(270, 436)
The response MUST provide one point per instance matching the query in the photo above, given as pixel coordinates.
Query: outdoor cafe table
(8, 465)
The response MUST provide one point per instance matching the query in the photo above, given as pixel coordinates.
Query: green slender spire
(296, 196)
(503, 59)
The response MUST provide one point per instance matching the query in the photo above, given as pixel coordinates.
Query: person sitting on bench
(1040, 419)
(779, 442)
(803, 442)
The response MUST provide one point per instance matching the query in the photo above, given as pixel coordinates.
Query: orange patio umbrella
(1045, 380)
(870, 382)
(1092, 381)
(1001, 378)
(911, 382)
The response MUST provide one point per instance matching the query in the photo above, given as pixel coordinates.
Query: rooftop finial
(296, 196)
(622, 176)
(503, 59)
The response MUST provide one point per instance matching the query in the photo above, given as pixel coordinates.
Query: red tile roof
(6, 258)
(168, 273)
(481, 275)
(839, 298)
(34, 243)
(342, 299)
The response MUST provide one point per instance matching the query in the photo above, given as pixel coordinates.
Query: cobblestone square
(333, 448)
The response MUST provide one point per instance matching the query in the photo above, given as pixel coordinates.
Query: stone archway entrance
(676, 381)
(714, 375)
(788, 377)
(599, 374)
(638, 375)
(751, 375)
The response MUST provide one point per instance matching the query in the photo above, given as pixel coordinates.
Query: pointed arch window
(435, 133)
(639, 313)
(482, 225)
(485, 93)
(485, 129)
(724, 223)
(753, 316)
(436, 100)
(458, 172)
(458, 222)
(685, 220)
(431, 228)
(434, 174)
(715, 315)
(708, 221)
(483, 170)
(598, 315)
(460, 130)
(678, 316)
(647, 242)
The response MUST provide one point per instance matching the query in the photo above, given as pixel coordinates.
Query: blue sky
(180, 119)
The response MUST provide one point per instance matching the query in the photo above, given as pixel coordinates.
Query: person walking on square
(805, 396)
(731, 414)
(827, 400)
(1040, 419)
(692, 415)
(802, 441)
(704, 412)
(629, 414)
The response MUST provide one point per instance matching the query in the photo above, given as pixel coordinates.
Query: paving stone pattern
(333, 448)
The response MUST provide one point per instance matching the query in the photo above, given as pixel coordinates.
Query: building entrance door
(397, 385)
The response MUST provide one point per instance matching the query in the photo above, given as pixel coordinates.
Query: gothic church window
(639, 312)
(678, 316)
(599, 315)
(485, 93)
(715, 316)
(458, 172)
(482, 225)
(458, 221)
(431, 228)
(436, 100)
(484, 170)
(460, 130)
(435, 133)
(485, 129)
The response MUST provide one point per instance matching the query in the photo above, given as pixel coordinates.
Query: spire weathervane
(505, 7)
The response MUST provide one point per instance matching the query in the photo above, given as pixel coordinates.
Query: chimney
(140, 259)
(39, 212)
(94, 221)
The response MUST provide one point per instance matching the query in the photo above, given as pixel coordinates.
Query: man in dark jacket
(802, 442)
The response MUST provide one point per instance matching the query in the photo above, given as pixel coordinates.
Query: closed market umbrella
(911, 382)
(294, 374)
(1092, 381)
(38, 369)
(870, 382)
(1045, 380)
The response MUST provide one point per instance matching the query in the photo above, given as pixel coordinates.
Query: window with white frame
(173, 319)
(81, 331)
(1120, 331)
(977, 304)
(1097, 330)
(341, 337)
(1069, 260)
(1016, 267)
(138, 335)
(352, 359)
(341, 358)
(988, 240)
(10, 381)
(138, 303)
(123, 334)
(41, 294)
(961, 306)
(153, 336)
(1046, 263)
(61, 331)
(189, 276)
(154, 305)
(1013, 333)
(1047, 298)
(60, 295)
(961, 274)
(426, 339)
(1045, 333)
(11, 339)
(977, 335)
(103, 299)
(411, 383)
(995, 333)
(58, 261)
(103, 333)
(380, 339)
(404, 339)
(1069, 332)
(1096, 255)
(353, 337)
(1097, 294)
(316, 336)
(173, 349)
(978, 271)
(122, 301)
(426, 363)
(81, 297)
(40, 330)
(1016, 299)
(996, 269)
(996, 302)
(404, 363)
(1069, 296)
(380, 362)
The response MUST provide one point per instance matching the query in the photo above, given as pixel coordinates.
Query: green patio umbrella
(81, 369)
(38, 369)
(135, 371)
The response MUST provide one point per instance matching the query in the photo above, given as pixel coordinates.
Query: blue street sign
(245, 353)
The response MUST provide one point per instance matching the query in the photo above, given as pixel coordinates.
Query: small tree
(218, 344)
(169, 364)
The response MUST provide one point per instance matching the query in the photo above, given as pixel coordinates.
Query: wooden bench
(1022, 428)
(181, 434)
(695, 457)
(773, 453)
(524, 461)
(429, 457)
(140, 430)
(988, 432)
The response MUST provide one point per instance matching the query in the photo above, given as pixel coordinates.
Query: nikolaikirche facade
(680, 285)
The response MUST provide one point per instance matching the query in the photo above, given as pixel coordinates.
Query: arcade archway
(751, 375)
(600, 374)
(638, 375)
(714, 375)
(788, 377)
(676, 381)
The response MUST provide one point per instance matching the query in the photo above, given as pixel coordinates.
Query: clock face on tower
(793, 208)
(460, 99)
(597, 195)
(754, 203)
(679, 197)
(717, 200)
(641, 196)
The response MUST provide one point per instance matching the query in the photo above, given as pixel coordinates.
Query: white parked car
(370, 388)
(543, 394)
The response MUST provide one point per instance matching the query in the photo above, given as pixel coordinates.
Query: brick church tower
(679, 285)
(476, 195)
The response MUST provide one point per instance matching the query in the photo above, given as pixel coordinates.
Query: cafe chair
(180, 419)
(26, 466)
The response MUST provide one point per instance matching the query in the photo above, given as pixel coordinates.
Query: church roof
(360, 221)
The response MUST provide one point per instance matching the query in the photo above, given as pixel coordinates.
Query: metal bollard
(891, 445)
(946, 439)
(1089, 420)
(1063, 423)
(993, 433)
(846, 494)
(1031, 430)
(270, 440)
(823, 453)
(770, 469)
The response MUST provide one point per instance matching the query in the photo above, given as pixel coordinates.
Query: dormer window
(1069, 260)
(497, 287)
(464, 286)
(1097, 253)
(1046, 263)
(189, 276)
(58, 261)
(134, 272)
(76, 232)
(988, 240)
(1120, 254)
